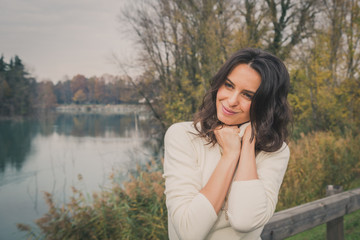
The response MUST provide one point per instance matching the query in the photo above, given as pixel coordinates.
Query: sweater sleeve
(252, 203)
(190, 212)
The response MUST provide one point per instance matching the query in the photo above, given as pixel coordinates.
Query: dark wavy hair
(269, 111)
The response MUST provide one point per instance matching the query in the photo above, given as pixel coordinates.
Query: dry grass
(317, 160)
(135, 211)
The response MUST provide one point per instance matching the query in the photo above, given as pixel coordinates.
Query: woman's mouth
(227, 111)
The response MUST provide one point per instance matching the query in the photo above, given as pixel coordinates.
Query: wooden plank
(291, 221)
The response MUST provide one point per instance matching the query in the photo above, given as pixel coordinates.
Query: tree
(79, 96)
(255, 24)
(91, 89)
(4, 86)
(349, 82)
(311, 96)
(17, 88)
(99, 91)
(335, 12)
(46, 98)
(183, 43)
(325, 82)
(79, 82)
(63, 92)
(291, 22)
(352, 33)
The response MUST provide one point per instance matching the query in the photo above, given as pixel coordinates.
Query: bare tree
(183, 43)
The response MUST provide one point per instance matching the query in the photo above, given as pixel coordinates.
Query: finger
(219, 127)
(234, 129)
(229, 127)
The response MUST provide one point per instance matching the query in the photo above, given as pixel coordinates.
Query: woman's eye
(228, 85)
(248, 96)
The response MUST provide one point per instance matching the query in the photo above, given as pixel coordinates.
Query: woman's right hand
(229, 140)
(218, 185)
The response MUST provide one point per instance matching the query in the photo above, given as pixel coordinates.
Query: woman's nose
(233, 99)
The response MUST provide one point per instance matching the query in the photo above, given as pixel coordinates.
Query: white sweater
(189, 163)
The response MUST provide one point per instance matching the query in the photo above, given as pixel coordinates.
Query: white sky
(55, 38)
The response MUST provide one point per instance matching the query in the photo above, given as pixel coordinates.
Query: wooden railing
(328, 210)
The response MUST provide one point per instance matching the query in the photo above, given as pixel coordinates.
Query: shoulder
(282, 154)
(180, 129)
(283, 150)
(183, 135)
(180, 138)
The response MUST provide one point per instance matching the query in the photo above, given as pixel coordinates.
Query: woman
(224, 170)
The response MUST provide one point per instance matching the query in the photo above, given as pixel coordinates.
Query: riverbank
(103, 109)
(123, 109)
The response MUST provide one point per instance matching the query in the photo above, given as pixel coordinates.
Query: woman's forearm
(246, 169)
(218, 185)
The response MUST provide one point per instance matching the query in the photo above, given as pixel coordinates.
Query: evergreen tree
(17, 89)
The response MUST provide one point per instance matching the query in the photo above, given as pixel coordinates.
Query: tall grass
(136, 208)
(317, 160)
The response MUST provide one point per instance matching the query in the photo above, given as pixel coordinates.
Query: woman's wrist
(231, 155)
(231, 152)
(248, 143)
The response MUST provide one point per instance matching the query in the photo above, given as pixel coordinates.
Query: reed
(134, 209)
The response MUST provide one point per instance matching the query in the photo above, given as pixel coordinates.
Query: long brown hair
(269, 111)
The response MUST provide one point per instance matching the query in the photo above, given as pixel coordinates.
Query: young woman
(224, 170)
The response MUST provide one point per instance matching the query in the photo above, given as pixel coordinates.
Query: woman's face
(233, 99)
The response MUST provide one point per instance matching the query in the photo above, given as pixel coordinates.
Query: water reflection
(15, 142)
(48, 154)
(16, 136)
(95, 125)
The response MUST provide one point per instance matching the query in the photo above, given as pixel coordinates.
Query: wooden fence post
(334, 228)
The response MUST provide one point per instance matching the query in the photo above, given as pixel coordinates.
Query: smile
(227, 111)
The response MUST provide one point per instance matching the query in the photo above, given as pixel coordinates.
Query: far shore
(102, 108)
(122, 109)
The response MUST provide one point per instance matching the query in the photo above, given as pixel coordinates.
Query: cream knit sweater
(189, 163)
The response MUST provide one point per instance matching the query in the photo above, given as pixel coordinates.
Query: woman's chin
(228, 122)
(231, 122)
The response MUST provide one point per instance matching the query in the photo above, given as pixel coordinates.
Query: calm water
(50, 154)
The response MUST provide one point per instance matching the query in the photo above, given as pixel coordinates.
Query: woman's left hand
(246, 169)
(247, 135)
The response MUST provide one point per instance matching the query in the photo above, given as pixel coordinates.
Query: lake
(59, 151)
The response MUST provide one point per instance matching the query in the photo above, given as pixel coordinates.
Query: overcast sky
(55, 38)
